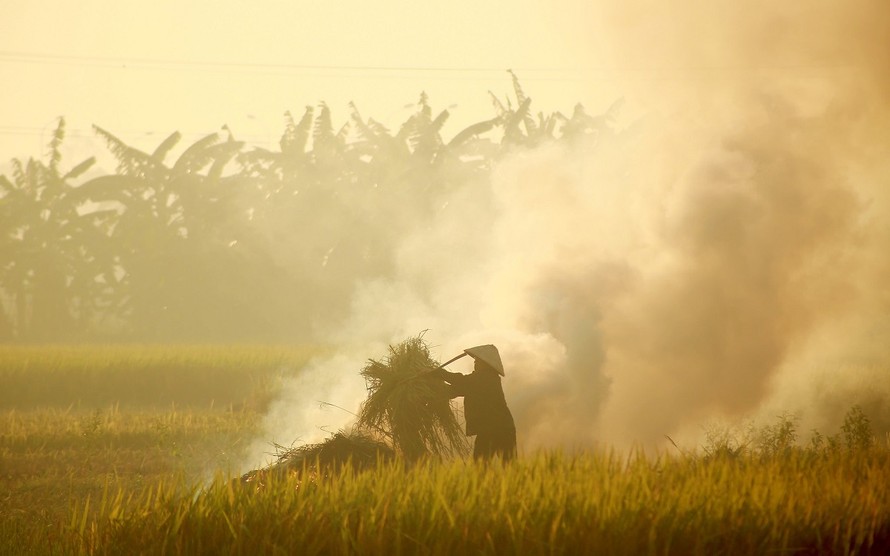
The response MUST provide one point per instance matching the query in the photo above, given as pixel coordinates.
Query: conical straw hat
(488, 354)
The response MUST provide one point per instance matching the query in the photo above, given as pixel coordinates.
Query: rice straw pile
(408, 411)
(409, 405)
(352, 450)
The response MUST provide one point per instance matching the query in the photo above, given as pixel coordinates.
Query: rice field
(53, 458)
(76, 421)
(543, 504)
(89, 376)
(137, 478)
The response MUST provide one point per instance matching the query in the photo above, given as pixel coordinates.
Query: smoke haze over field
(724, 257)
(722, 254)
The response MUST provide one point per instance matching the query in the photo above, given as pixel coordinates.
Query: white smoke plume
(725, 256)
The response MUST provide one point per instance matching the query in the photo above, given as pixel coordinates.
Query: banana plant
(53, 264)
(165, 215)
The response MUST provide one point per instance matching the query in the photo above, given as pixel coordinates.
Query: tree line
(232, 242)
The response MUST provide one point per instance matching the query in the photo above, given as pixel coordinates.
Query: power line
(550, 73)
(301, 71)
(76, 132)
(104, 61)
(82, 133)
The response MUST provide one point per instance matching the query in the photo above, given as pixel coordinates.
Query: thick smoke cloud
(723, 256)
(772, 293)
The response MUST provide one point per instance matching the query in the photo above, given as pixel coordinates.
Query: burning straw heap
(409, 405)
(353, 450)
(408, 411)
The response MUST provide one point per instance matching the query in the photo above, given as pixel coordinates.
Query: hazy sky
(140, 68)
(144, 69)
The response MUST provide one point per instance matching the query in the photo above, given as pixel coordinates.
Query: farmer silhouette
(485, 408)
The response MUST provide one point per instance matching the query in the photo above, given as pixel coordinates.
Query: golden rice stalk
(410, 405)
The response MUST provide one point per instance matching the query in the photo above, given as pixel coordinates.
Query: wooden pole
(452, 360)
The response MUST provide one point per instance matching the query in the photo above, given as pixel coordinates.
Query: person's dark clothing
(486, 412)
(496, 443)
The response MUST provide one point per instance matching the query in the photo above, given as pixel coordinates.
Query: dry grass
(351, 450)
(409, 406)
(543, 504)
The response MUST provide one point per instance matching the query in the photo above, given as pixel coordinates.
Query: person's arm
(457, 381)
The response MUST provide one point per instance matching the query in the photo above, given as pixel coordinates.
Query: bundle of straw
(409, 404)
(353, 450)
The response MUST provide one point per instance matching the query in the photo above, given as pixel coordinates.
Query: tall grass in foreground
(548, 503)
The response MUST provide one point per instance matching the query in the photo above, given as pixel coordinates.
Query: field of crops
(77, 421)
(137, 477)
